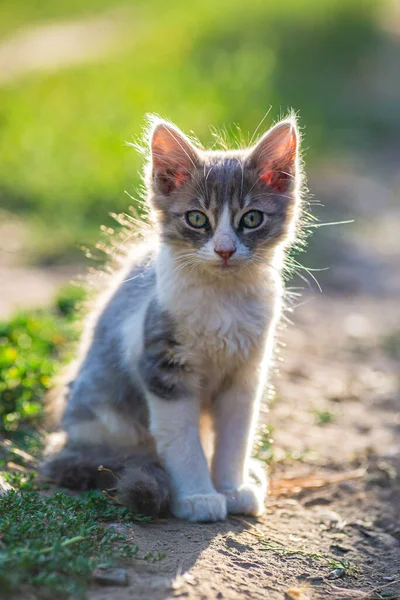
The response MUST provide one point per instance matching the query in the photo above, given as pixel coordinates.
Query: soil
(340, 365)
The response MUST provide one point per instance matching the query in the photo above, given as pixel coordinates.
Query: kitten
(176, 359)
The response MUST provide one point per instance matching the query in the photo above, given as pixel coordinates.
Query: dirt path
(51, 46)
(31, 287)
(336, 410)
(23, 286)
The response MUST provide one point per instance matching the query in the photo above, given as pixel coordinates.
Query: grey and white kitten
(173, 365)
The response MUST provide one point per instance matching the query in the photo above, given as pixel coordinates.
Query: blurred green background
(76, 79)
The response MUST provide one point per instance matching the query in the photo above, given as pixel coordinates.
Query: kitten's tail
(136, 478)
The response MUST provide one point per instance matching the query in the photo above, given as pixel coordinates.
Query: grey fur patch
(141, 482)
(162, 374)
(224, 182)
(144, 486)
(76, 412)
(103, 378)
(77, 467)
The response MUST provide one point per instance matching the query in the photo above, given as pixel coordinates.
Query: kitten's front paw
(248, 499)
(200, 507)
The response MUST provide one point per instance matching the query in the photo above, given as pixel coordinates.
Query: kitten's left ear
(173, 157)
(275, 157)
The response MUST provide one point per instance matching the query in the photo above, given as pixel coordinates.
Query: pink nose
(225, 254)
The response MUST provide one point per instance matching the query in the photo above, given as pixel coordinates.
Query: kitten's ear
(173, 157)
(275, 157)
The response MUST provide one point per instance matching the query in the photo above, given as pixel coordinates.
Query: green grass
(344, 568)
(54, 544)
(64, 164)
(31, 347)
(323, 417)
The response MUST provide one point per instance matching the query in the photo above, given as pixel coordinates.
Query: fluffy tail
(138, 477)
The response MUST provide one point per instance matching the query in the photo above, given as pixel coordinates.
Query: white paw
(200, 507)
(248, 499)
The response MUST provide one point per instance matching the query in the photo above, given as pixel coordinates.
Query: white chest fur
(220, 322)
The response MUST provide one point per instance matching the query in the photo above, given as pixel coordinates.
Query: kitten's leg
(175, 427)
(236, 413)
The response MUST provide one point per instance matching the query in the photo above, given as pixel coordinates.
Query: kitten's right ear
(275, 156)
(173, 157)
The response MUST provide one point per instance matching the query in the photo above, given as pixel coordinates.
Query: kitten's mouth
(226, 266)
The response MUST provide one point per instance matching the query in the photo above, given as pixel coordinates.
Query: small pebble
(111, 576)
(336, 574)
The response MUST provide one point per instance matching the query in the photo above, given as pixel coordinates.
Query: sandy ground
(339, 359)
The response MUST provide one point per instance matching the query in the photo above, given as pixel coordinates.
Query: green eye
(252, 219)
(196, 219)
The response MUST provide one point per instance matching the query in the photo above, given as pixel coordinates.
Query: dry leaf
(297, 594)
(283, 487)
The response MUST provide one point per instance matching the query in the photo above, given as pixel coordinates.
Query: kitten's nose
(224, 245)
(225, 253)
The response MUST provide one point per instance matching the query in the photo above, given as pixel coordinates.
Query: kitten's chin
(220, 269)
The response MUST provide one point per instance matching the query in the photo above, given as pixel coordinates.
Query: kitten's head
(223, 211)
